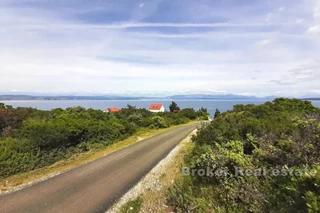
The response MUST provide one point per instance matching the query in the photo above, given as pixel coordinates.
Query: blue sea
(211, 105)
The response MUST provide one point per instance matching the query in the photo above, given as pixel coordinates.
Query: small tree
(189, 113)
(203, 109)
(217, 113)
(130, 106)
(174, 106)
(2, 106)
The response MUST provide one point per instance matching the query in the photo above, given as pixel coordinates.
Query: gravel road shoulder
(152, 188)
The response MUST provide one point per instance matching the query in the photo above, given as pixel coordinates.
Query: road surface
(95, 186)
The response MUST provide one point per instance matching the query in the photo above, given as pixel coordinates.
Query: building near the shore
(156, 108)
(112, 110)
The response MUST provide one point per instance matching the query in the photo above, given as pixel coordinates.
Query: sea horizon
(211, 105)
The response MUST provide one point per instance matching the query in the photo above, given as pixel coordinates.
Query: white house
(156, 108)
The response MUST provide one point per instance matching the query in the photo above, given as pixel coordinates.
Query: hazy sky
(257, 47)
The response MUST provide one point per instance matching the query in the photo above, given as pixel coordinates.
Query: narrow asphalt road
(95, 186)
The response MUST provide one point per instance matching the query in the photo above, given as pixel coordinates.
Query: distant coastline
(29, 97)
(118, 97)
(311, 99)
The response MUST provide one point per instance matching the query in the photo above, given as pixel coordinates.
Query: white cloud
(317, 91)
(201, 91)
(44, 51)
(299, 21)
(58, 26)
(264, 42)
(314, 29)
(316, 9)
(245, 94)
(141, 5)
(269, 16)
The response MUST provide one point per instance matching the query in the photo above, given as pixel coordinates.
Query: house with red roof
(112, 110)
(156, 108)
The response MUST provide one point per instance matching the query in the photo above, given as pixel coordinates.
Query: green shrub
(31, 138)
(132, 206)
(282, 134)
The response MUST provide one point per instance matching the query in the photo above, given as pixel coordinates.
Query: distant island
(218, 97)
(65, 97)
(119, 97)
(311, 99)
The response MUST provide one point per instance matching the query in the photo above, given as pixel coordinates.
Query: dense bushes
(283, 135)
(31, 138)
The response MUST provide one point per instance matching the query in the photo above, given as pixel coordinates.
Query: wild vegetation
(283, 135)
(32, 139)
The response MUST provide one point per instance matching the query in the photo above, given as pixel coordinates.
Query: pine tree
(174, 106)
(217, 113)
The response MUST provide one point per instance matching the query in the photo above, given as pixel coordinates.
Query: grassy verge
(18, 180)
(152, 196)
